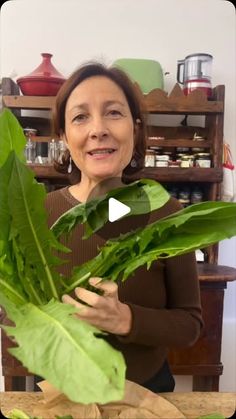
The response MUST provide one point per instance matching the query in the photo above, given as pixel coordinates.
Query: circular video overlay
(125, 209)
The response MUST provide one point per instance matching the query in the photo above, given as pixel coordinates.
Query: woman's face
(99, 128)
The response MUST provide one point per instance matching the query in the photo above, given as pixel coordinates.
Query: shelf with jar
(170, 139)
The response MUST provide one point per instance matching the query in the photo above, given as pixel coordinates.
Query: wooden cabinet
(203, 360)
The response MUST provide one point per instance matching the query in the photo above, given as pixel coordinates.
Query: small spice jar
(203, 160)
(162, 160)
(187, 160)
(150, 158)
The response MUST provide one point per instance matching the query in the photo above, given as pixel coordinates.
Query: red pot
(45, 80)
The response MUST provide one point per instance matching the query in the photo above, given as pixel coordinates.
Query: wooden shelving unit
(202, 361)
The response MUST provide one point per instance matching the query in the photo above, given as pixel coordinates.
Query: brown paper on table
(138, 403)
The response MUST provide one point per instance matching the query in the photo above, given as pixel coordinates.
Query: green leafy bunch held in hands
(31, 289)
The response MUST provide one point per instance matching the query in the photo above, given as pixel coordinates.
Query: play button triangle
(116, 209)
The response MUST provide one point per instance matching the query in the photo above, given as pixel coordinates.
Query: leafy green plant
(67, 352)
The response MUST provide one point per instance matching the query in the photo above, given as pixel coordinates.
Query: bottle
(52, 151)
(61, 150)
(30, 151)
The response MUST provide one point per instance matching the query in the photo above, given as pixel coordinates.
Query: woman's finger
(69, 300)
(89, 297)
(109, 288)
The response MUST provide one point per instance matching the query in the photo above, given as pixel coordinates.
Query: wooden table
(191, 405)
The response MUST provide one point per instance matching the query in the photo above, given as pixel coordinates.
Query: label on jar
(150, 160)
(205, 163)
(161, 163)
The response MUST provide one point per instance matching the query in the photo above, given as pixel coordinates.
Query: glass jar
(150, 158)
(30, 151)
(61, 150)
(187, 160)
(203, 160)
(162, 160)
(52, 151)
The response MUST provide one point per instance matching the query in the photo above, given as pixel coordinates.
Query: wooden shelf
(29, 102)
(161, 174)
(46, 171)
(195, 103)
(44, 139)
(157, 101)
(210, 272)
(178, 143)
(179, 174)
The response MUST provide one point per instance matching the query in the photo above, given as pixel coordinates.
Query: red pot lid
(45, 71)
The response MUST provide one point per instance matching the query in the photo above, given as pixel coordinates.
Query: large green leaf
(195, 227)
(30, 231)
(11, 137)
(141, 196)
(65, 350)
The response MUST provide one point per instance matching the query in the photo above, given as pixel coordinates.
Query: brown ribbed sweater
(164, 300)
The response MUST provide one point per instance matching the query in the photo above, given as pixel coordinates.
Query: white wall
(75, 31)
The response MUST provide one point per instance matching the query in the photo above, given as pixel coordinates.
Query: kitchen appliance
(147, 73)
(45, 80)
(194, 72)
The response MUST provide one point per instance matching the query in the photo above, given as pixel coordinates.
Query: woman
(98, 116)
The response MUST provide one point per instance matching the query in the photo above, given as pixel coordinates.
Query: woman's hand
(103, 311)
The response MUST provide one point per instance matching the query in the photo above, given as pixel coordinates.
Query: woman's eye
(114, 113)
(80, 118)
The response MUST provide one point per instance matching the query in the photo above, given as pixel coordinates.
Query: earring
(69, 170)
(133, 163)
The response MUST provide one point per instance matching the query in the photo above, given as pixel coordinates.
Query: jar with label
(150, 158)
(203, 160)
(162, 160)
(187, 160)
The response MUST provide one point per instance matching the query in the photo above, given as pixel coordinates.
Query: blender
(194, 72)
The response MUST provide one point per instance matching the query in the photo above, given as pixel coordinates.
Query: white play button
(116, 209)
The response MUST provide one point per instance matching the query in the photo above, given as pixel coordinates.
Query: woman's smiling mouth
(101, 153)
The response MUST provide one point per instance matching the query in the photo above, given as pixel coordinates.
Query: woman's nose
(98, 128)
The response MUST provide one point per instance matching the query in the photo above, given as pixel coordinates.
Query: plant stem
(77, 282)
(19, 298)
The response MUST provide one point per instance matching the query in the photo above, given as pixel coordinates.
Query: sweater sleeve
(179, 322)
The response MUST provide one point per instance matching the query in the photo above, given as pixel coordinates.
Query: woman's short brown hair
(119, 77)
